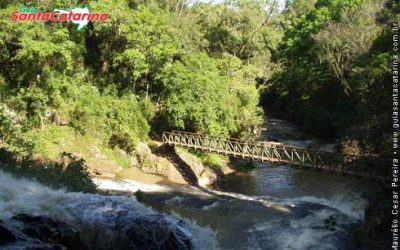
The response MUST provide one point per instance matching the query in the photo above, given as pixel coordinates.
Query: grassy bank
(68, 172)
(51, 141)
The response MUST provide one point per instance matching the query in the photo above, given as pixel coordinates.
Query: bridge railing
(372, 167)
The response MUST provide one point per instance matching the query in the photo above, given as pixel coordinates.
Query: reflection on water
(286, 182)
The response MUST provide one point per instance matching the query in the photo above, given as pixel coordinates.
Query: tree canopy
(200, 67)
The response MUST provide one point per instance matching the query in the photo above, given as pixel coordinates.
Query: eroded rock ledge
(178, 166)
(25, 232)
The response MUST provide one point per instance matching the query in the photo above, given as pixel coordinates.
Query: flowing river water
(274, 207)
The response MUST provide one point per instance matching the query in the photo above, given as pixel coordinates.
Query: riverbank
(145, 169)
(272, 206)
(160, 163)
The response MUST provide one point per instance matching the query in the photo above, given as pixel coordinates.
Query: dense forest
(83, 110)
(211, 68)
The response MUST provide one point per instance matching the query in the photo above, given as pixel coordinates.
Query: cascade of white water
(99, 219)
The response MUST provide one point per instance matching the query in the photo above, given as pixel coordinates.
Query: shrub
(70, 173)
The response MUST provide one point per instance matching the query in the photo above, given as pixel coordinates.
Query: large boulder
(179, 166)
(205, 175)
(151, 232)
(137, 232)
(6, 235)
(23, 231)
(50, 231)
(153, 164)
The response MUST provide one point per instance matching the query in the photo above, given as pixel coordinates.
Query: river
(273, 207)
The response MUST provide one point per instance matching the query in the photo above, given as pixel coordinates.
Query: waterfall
(104, 222)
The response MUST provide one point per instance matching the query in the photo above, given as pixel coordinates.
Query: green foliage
(142, 42)
(200, 95)
(11, 132)
(194, 98)
(244, 166)
(145, 54)
(50, 141)
(162, 65)
(70, 173)
(339, 48)
(32, 51)
(43, 139)
(214, 160)
(151, 62)
(109, 117)
(332, 68)
(241, 28)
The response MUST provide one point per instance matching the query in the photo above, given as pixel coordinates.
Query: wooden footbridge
(265, 151)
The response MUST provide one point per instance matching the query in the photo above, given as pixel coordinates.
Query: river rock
(137, 232)
(207, 178)
(23, 231)
(226, 168)
(6, 236)
(50, 231)
(151, 232)
(205, 175)
(153, 164)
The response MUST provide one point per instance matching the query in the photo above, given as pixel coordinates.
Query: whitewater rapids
(93, 215)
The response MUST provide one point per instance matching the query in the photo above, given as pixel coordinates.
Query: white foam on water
(305, 239)
(177, 200)
(128, 185)
(242, 197)
(86, 212)
(309, 232)
(350, 204)
(212, 205)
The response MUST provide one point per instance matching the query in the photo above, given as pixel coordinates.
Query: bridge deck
(272, 152)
